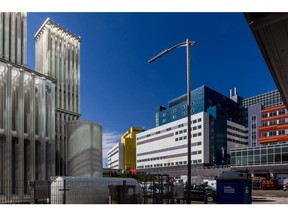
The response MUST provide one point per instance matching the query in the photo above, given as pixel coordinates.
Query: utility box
(234, 188)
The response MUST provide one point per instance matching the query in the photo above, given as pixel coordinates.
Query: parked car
(285, 186)
(200, 192)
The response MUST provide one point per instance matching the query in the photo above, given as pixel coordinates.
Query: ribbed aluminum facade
(58, 55)
(27, 129)
(13, 37)
(27, 114)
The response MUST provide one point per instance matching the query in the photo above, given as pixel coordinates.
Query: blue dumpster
(234, 188)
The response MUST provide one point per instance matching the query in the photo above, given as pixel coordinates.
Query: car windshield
(208, 187)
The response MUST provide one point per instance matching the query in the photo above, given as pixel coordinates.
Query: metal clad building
(27, 129)
(27, 114)
(13, 37)
(58, 56)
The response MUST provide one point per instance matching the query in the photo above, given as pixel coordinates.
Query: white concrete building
(116, 157)
(166, 145)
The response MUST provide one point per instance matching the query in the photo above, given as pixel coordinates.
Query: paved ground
(258, 197)
(269, 197)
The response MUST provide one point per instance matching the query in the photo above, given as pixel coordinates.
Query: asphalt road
(269, 197)
(258, 197)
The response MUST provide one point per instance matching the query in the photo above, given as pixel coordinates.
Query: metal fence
(15, 192)
(155, 189)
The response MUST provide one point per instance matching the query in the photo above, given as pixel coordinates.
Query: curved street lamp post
(187, 43)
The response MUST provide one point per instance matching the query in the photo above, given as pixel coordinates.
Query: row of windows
(197, 134)
(185, 130)
(237, 135)
(180, 138)
(181, 131)
(274, 113)
(185, 137)
(263, 148)
(174, 110)
(196, 152)
(197, 127)
(156, 133)
(263, 159)
(266, 99)
(196, 120)
(115, 151)
(174, 117)
(165, 157)
(267, 123)
(237, 129)
(169, 164)
(273, 133)
(237, 141)
(169, 129)
(151, 159)
(114, 162)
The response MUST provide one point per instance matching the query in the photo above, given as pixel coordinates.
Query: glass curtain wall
(262, 155)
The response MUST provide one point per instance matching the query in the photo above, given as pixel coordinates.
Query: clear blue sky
(120, 89)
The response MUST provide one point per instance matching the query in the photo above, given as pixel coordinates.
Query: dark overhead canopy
(271, 33)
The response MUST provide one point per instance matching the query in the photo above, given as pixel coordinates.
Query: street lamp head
(171, 48)
(192, 42)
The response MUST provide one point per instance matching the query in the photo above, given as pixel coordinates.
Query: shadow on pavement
(261, 199)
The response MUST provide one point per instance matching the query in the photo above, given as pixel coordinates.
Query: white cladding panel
(116, 157)
(166, 145)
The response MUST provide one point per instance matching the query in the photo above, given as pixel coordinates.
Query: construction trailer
(95, 190)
